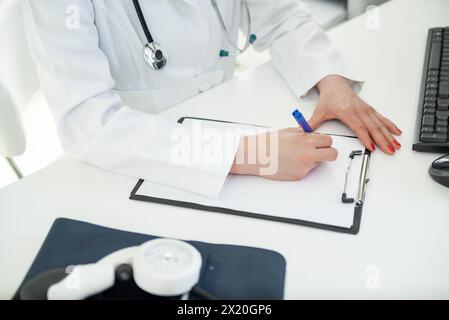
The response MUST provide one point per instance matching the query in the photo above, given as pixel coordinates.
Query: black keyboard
(433, 110)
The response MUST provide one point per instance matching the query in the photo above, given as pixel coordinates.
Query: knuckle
(310, 140)
(334, 154)
(359, 128)
(371, 109)
(307, 156)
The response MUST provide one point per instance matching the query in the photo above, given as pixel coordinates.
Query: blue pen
(302, 121)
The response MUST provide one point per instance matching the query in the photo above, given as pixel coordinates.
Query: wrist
(333, 83)
(242, 165)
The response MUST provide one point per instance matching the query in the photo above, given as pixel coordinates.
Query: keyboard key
(429, 104)
(433, 137)
(435, 56)
(427, 129)
(432, 85)
(428, 120)
(442, 123)
(441, 130)
(429, 111)
(430, 99)
(443, 104)
(443, 100)
(441, 115)
(444, 89)
(431, 92)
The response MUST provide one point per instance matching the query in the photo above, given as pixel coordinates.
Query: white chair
(12, 136)
(18, 81)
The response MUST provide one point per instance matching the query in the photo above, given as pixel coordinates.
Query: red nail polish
(373, 147)
(390, 148)
(397, 143)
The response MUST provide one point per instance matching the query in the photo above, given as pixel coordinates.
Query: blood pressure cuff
(228, 271)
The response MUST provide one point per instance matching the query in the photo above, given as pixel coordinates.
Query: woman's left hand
(338, 101)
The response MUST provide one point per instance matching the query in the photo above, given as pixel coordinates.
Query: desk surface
(402, 250)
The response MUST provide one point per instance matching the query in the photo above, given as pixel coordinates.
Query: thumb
(317, 119)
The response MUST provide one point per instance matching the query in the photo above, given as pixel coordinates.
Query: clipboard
(356, 199)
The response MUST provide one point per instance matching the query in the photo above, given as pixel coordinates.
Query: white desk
(405, 225)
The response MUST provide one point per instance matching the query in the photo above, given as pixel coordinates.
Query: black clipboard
(358, 201)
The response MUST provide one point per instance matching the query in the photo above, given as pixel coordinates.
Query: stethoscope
(156, 58)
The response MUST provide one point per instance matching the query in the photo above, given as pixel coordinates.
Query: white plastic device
(166, 267)
(82, 282)
(162, 267)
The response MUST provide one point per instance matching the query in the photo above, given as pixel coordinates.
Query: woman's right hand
(288, 154)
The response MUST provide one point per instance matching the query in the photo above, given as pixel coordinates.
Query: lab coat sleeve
(299, 48)
(92, 121)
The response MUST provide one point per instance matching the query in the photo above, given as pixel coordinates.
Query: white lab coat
(105, 99)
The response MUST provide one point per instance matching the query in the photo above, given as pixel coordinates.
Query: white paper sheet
(316, 198)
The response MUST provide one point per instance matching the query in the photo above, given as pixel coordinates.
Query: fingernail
(390, 148)
(373, 147)
(397, 143)
(400, 131)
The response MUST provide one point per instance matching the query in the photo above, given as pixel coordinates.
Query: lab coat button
(205, 86)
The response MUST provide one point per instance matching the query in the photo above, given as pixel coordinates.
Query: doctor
(108, 67)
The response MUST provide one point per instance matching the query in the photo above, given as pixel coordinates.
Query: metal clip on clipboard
(363, 180)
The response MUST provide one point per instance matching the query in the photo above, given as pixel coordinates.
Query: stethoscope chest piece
(154, 56)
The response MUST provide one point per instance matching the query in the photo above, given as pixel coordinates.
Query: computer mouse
(439, 170)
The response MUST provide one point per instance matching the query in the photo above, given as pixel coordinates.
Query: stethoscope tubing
(143, 22)
(225, 29)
